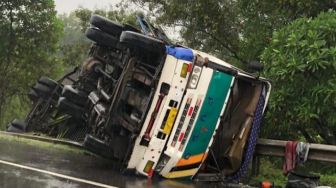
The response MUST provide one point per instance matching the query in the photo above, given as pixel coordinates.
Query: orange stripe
(205, 156)
(191, 160)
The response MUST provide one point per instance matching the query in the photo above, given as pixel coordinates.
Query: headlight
(197, 70)
(195, 77)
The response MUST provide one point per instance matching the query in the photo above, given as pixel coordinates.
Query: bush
(271, 170)
(301, 60)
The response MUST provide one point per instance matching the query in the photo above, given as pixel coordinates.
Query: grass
(329, 180)
(271, 170)
(41, 144)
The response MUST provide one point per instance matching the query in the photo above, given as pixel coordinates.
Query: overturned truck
(153, 107)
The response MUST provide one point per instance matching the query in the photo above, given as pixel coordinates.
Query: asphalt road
(34, 164)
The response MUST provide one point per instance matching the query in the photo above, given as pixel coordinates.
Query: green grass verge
(271, 170)
(41, 144)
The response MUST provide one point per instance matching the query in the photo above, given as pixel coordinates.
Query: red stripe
(153, 117)
(181, 137)
(189, 67)
(191, 109)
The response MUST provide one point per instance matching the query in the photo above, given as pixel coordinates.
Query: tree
(73, 44)
(235, 30)
(29, 32)
(210, 26)
(301, 61)
(119, 14)
(33, 44)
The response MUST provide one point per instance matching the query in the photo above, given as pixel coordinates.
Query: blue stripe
(180, 53)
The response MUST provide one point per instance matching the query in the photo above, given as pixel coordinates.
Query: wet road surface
(16, 177)
(70, 162)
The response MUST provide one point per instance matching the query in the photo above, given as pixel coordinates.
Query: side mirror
(255, 66)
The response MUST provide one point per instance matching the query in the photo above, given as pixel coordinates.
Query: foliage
(119, 15)
(74, 45)
(271, 170)
(329, 180)
(302, 64)
(235, 30)
(33, 44)
(29, 31)
(210, 26)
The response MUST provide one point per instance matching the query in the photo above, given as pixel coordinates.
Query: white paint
(167, 77)
(56, 174)
(199, 92)
(156, 145)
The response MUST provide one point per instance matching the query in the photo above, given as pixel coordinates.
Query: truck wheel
(32, 95)
(98, 146)
(13, 129)
(132, 39)
(74, 95)
(17, 126)
(106, 25)
(42, 90)
(70, 108)
(128, 27)
(48, 82)
(101, 38)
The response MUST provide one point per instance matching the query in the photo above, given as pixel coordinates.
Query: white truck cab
(187, 109)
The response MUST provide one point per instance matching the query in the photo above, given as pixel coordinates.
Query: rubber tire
(97, 146)
(17, 126)
(13, 129)
(74, 95)
(128, 27)
(32, 95)
(106, 25)
(42, 90)
(70, 108)
(48, 82)
(132, 39)
(101, 38)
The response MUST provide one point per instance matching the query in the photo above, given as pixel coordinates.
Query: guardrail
(268, 147)
(319, 152)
